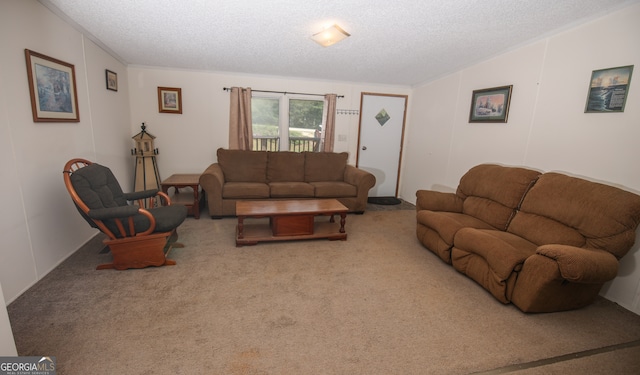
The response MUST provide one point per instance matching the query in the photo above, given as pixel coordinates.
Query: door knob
(364, 148)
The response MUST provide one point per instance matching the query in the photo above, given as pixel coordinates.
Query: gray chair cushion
(98, 188)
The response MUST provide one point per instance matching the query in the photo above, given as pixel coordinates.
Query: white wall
(547, 128)
(188, 142)
(40, 226)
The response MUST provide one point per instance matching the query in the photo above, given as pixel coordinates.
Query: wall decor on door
(52, 87)
(490, 105)
(608, 89)
(382, 117)
(169, 100)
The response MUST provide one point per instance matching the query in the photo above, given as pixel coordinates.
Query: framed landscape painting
(169, 100)
(608, 89)
(52, 87)
(490, 105)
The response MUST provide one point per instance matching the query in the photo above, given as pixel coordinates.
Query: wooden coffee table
(290, 220)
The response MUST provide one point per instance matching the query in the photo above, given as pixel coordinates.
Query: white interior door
(382, 118)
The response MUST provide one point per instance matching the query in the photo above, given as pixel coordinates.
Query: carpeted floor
(378, 303)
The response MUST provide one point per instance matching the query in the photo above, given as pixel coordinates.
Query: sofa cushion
(243, 165)
(492, 192)
(446, 224)
(240, 190)
(541, 230)
(571, 211)
(493, 258)
(285, 166)
(334, 189)
(324, 166)
(504, 252)
(291, 190)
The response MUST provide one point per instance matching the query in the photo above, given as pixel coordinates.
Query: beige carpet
(377, 303)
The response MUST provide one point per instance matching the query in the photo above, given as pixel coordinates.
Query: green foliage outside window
(305, 114)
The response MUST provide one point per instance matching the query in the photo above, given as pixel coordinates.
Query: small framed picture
(490, 105)
(169, 100)
(112, 80)
(608, 89)
(52, 87)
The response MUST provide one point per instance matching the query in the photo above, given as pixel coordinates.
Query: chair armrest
(134, 196)
(582, 265)
(438, 201)
(112, 212)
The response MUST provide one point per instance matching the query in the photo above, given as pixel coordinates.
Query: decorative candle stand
(146, 175)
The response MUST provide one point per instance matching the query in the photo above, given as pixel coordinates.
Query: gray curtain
(240, 130)
(330, 124)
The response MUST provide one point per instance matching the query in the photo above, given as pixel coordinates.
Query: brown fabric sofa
(243, 175)
(542, 241)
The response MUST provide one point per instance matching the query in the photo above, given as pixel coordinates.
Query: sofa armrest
(359, 177)
(438, 201)
(363, 181)
(581, 265)
(212, 181)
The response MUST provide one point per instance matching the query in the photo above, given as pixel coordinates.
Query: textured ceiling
(404, 42)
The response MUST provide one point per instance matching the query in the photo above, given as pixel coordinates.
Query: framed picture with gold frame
(490, 105)
(169, 100)
(52, 87)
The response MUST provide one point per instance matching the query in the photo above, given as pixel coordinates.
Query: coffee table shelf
(254, 233)
(289, 220)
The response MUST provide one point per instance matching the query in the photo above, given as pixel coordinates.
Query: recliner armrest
(581, 265)
(438, 201)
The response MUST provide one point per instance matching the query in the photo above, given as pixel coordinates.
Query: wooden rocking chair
(138, 237)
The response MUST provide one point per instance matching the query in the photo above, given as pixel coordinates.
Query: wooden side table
(191, 199)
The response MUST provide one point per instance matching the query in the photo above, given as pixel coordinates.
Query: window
(286, 123)
(265, 116)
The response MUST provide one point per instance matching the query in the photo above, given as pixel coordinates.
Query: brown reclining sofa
(542, 241)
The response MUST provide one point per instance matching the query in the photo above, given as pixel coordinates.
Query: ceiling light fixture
(330, 36)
